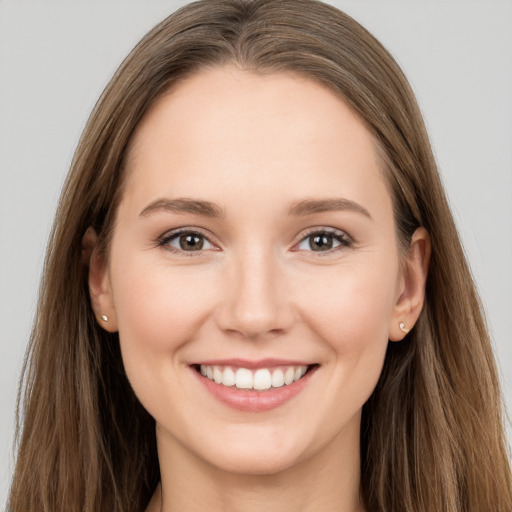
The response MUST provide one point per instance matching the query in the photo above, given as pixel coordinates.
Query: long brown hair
(432, 437)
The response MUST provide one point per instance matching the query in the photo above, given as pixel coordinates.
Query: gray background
(56, 57)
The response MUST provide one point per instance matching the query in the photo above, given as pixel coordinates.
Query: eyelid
(346, 241)
(163, 240)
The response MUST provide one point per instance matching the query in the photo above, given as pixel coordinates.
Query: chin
(257, 464)
(257, 453)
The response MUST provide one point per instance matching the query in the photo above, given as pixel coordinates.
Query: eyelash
(344, 241)
(340, 236)
(165, 241)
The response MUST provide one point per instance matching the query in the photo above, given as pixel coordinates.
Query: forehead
(253, 131)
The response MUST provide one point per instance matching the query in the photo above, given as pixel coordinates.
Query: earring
(403, 328)
(104, 318)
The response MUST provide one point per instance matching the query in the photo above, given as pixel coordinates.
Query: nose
(255, 303)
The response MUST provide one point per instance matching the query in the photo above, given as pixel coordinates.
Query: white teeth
(228, 377)
(277, 378)
(259, 380)
(217, 375)
(243, 378)
(262, 380)
(288, 376)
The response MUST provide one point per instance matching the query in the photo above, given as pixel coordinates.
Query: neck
(328, 481)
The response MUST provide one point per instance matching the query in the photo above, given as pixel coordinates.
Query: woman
(253, 257)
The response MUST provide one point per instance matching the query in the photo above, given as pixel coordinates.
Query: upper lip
(245, 363)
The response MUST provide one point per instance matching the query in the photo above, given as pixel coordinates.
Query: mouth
(254, 387)
(256, 379)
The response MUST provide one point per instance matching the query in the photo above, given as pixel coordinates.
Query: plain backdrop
(56, 57)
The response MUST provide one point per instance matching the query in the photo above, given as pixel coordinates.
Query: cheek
(156, 304)
(159, 310)
(351, 316)
(351, 305)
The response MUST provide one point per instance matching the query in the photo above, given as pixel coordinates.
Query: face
(255, 244)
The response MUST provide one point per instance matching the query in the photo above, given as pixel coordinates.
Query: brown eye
(324, 241)
(191, 242)
(321, 242)
(186, 241)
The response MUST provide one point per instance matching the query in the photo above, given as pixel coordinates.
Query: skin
(255, 145)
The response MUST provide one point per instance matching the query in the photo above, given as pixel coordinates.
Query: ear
(99, 281)
(412, 287)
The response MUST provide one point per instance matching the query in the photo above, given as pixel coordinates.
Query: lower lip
(251, 400)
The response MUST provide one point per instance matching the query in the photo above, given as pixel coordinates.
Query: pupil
(191, 242)
(321, 242)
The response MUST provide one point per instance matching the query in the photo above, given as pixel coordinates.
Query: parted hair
(432, 436)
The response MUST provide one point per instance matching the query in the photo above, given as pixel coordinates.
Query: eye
(186, 241)
(324, 241)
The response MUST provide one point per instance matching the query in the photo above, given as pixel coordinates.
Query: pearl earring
(104, 318)
(403, 328)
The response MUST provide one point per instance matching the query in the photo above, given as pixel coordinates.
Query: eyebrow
(184, 205)
(212, 210)
(311, 206)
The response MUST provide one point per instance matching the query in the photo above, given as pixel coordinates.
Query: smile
(254, 387)
(260, 379)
